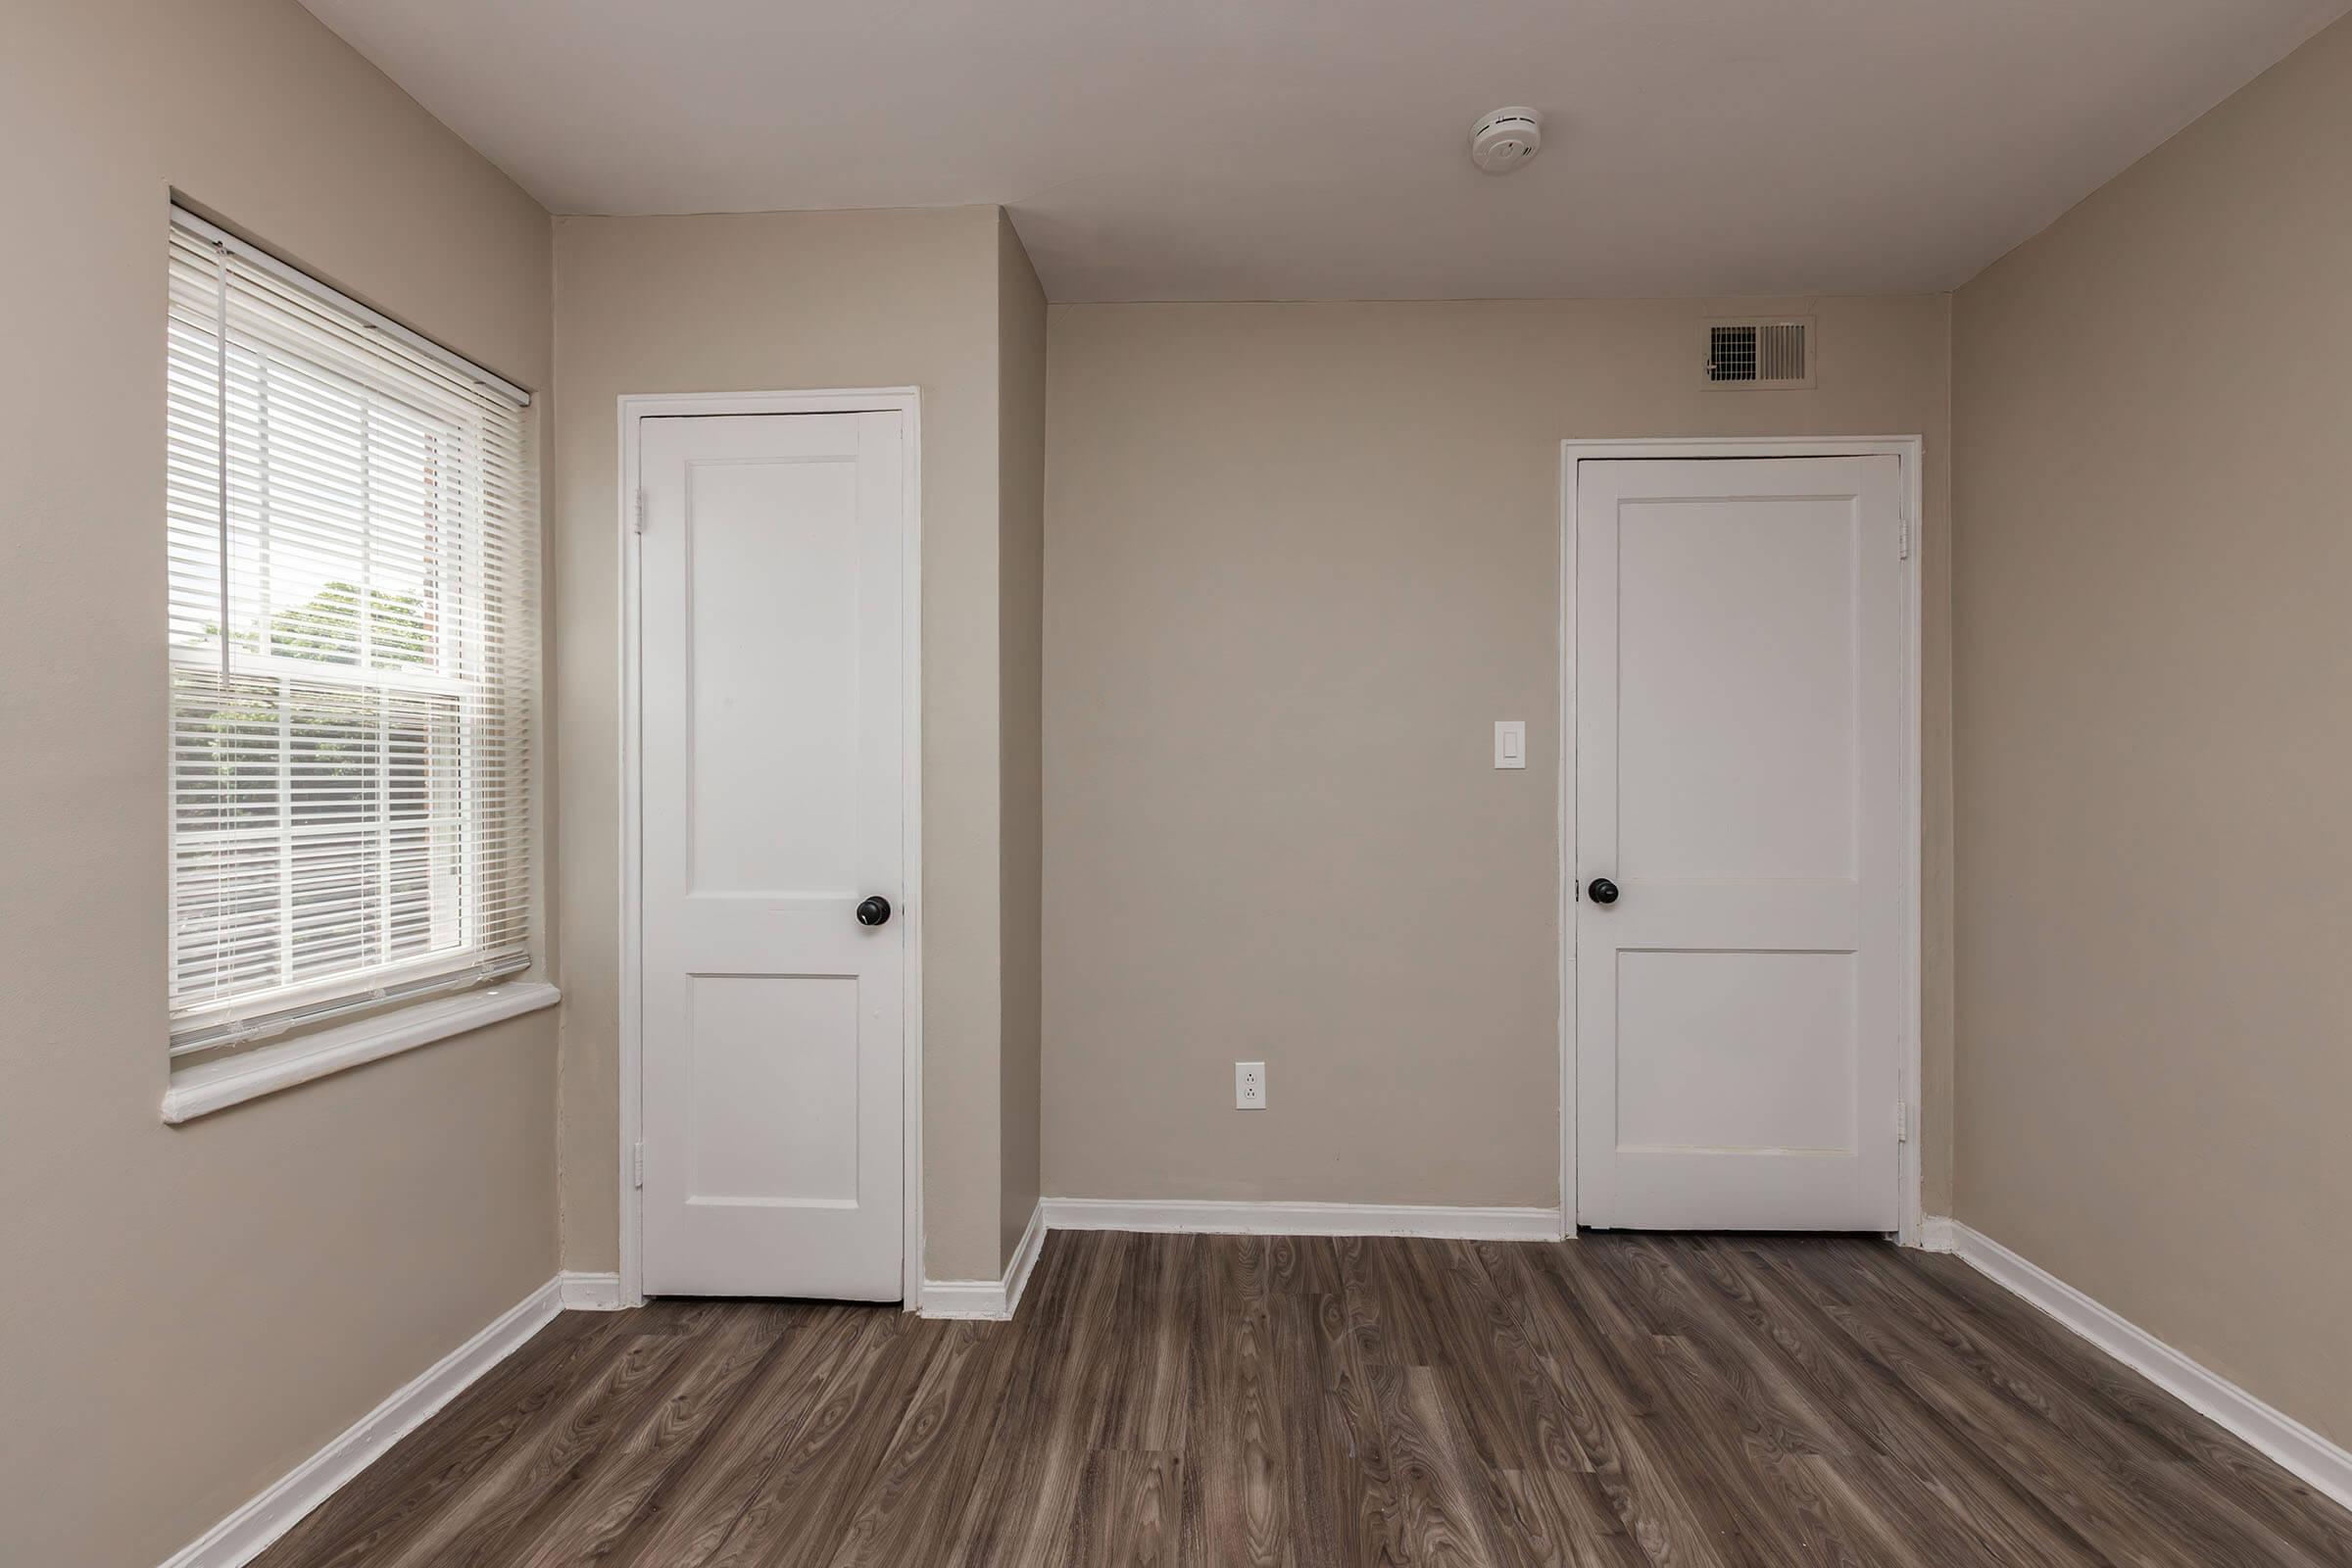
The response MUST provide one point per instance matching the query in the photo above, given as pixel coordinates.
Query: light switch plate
(1511, 743)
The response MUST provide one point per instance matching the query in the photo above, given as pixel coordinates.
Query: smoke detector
(1504, 138)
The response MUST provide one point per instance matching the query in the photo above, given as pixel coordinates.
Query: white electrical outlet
(1249, 1086)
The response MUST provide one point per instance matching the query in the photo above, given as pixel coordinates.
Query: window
(352, 537)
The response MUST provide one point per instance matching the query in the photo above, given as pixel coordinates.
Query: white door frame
(1909, 449)
(636, 408)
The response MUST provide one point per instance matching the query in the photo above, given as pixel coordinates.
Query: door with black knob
(1738, 703)
(772, 660)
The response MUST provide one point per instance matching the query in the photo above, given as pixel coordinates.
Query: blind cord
(221, 403)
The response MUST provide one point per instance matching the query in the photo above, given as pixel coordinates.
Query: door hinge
(641, 511)
(1902, 1122)
(637, 1164)
(1902, 537)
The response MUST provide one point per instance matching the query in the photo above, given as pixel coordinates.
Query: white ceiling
(1317, 149)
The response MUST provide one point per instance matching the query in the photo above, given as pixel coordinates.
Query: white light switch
(1511, 743)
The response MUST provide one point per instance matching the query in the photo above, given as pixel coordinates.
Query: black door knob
(876, 912)
(1601, 890)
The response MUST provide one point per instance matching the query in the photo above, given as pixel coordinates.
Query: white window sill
(200, 1091)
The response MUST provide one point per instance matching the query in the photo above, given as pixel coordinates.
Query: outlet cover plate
(1249, 1086)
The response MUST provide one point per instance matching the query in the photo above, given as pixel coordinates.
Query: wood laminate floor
(1618, 1401)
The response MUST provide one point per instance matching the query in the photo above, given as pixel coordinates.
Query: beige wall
(191, 1311)
(1020, 654)
(765, 302)
(2151, 680)
(1298, 559)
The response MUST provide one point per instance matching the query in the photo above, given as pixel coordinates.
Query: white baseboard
(998, 1299)
(1024, 1260)
(1250, 1218)
(2322, 1464)
(590, 1292)
(242, 1536)
(993, 1300)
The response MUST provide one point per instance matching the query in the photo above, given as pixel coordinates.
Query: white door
(1740, 765)
(773, 780)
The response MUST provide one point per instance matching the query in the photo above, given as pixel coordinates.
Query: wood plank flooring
(1617, 1402)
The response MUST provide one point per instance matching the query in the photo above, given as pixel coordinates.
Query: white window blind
(352, 534)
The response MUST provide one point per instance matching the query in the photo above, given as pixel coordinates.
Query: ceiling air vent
(1776, 353)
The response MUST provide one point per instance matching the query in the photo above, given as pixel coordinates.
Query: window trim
(300, 1009)
(211, 1086)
